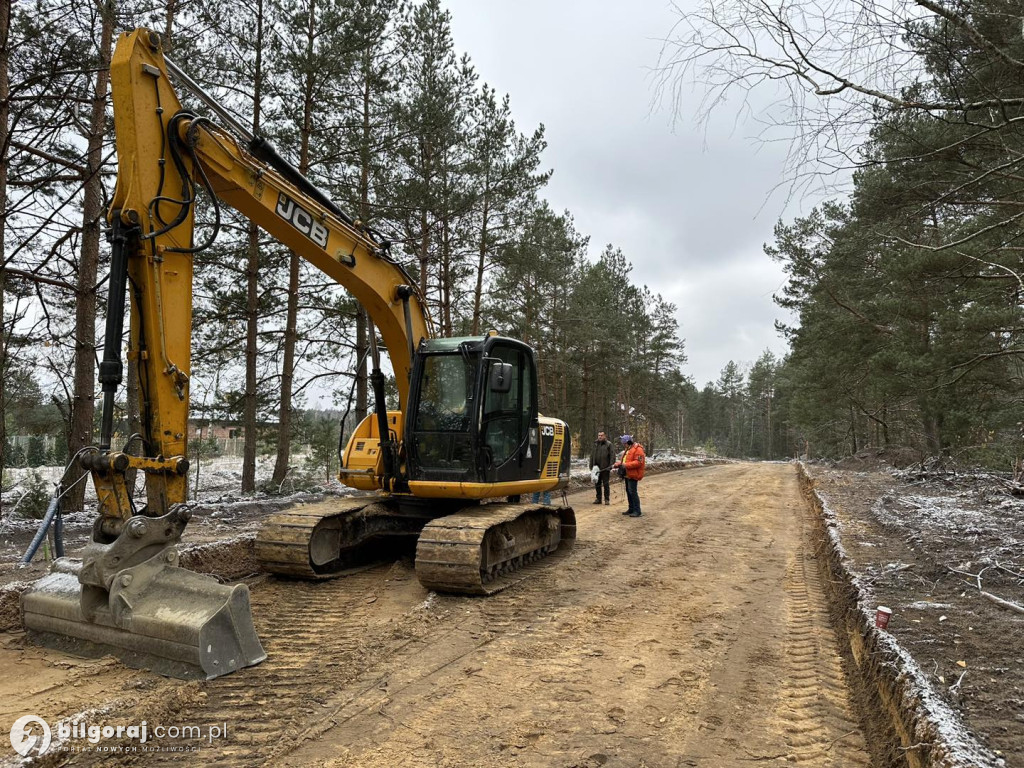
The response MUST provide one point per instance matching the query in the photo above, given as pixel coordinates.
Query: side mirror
(500, 379)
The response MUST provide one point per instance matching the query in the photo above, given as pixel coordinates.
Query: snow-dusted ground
(220, 479)
(959, 510)
(222, 511)
(217, 478)
(934, 547)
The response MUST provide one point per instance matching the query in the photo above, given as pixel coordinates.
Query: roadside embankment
(916, 727)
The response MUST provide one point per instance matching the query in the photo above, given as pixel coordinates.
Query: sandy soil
(694, 636)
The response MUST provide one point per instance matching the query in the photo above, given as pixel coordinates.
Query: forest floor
(918, 541)
(695, 635)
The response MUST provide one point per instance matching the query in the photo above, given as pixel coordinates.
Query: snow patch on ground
(219, 480)
(925, 605)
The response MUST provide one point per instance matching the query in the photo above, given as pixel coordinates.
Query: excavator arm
(165, 156)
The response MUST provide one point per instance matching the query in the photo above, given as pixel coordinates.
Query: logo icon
(30, 734)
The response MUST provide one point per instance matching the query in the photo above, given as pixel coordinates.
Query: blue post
(44, 526)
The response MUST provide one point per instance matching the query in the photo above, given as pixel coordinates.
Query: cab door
(509, 414)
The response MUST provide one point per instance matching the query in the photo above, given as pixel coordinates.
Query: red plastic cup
(882, 616)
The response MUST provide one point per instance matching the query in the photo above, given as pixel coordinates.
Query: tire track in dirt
(529, 628)
(815, 696)
(655, 644)
(303, 647)
(318, 636)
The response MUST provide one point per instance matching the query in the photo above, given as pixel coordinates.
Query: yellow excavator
(467, 433)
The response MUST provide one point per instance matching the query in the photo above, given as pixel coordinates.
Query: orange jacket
(635, 462)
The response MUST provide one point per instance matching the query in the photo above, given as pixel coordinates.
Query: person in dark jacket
(602, 456)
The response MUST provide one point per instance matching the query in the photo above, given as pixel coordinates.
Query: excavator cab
(471, 429)
(474, 409)
(473, 421)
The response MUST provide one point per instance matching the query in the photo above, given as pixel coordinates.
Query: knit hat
(624, 439)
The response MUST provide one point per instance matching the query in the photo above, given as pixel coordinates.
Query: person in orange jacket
(635, 461)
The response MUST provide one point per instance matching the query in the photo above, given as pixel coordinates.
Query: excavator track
(486, 549)
(330, 538)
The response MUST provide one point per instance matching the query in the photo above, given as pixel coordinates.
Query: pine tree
(372, 139)
(432, 194)
(36, 454)
(503, 176)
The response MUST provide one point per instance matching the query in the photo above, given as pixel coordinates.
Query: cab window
(445, 391)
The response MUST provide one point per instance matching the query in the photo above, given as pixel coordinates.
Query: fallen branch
(876, 577)
(988, 595)
(919, 745)
(840, 738)
(956, 686)
(1003, 603)
(762, 757)
(1007, 570)
(975, 576)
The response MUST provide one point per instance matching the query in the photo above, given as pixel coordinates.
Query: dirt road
(696, 635)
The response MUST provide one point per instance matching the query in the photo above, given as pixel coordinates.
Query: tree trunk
(284, 415)
(169, 13)
(424, 254)
(5, 112)
(933, 433)
(362, 341)
(853, 431)
(362, 344)
(446, 275)
(84, 387)
(249, 400)
(584, 405)
(252, 294)
(478, 293)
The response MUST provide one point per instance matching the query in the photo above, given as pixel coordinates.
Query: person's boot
(607, 502)
(636, 514)
(598, 500)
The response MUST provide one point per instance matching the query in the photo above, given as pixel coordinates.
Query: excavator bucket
(150, 613)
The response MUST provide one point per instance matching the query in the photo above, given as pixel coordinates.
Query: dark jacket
(602, 455)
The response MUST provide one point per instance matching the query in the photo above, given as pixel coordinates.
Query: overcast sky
(688, 205)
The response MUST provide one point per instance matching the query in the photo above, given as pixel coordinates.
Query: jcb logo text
(301, 219)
